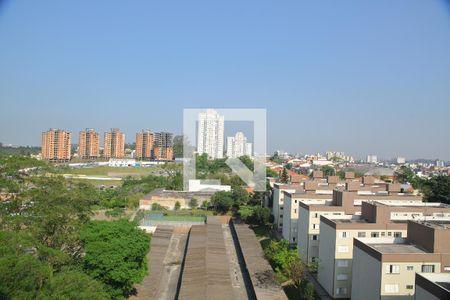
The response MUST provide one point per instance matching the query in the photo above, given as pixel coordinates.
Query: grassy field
(99, 182)
(116, 171)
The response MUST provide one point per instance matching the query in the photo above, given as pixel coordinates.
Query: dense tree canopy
(115, 254)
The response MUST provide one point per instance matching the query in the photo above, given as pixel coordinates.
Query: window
(374, 234)
(342, 249)
(295, 201)
(316, 215)
(391, 288)
(342, 263)
(341, 291)
(410, 268)
(343, 234)
(409, 287)
(293, 239)
(341, 277)
(447, 268)
(383, 234)
(389, 233)
(427, 268)
(397, 234)
(361, 234)
(392, 269)
(314, 237)
(315, 226)
(295, 211)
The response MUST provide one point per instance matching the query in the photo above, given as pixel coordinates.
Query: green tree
(328, 171)
(205, 204)
(157, 207)
(284, 178)
(177, 205)
(240, 196)
(22, 276)
(73, 284)
(404, 174)
(437, 189)
(247, 161)
(254, 214)
(193, 203)
(53, 210)
(222, 201)
(306, 290)
(276, 158)
(115, 254)
(271, 173)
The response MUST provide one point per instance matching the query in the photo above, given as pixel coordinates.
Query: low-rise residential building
(385, 268)
(432, 286)
(278, 201)
(341, 203)
(377, 220)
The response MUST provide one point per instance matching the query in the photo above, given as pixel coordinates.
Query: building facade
(56, 145)
(163, 147)
(210, 134)
(238, 146)
(144, 144)
(377, 220)
(392, 263)
(89, 144)
(114, 144)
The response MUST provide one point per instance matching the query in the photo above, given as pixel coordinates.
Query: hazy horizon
(362, 78)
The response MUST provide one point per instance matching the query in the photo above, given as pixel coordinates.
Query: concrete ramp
(262, 277)
(206, 274)
(149, 287)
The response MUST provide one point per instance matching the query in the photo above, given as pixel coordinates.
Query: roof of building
(397, 248)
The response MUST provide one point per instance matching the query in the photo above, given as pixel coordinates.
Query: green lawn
(261, 230)
(99, 182)
(104, 170)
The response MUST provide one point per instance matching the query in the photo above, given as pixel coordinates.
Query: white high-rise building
(372, 159)
(210, 134)
(401, 160)
(237, 146)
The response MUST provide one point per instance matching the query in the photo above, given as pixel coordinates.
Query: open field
(99, 182)
(113, 171)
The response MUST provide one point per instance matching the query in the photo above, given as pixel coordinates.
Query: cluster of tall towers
(56, 145)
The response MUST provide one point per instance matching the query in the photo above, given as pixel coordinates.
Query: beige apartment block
(432, 286)
(278, 201)
(56, 145)
(114, 144)
(386, 268)
(89, 144)
(342, 203)
(316, 188)
(377, 220)
(144, 144)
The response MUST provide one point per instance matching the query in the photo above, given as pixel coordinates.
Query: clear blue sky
(354, 76)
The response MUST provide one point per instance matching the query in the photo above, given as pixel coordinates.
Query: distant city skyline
(366, 77)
